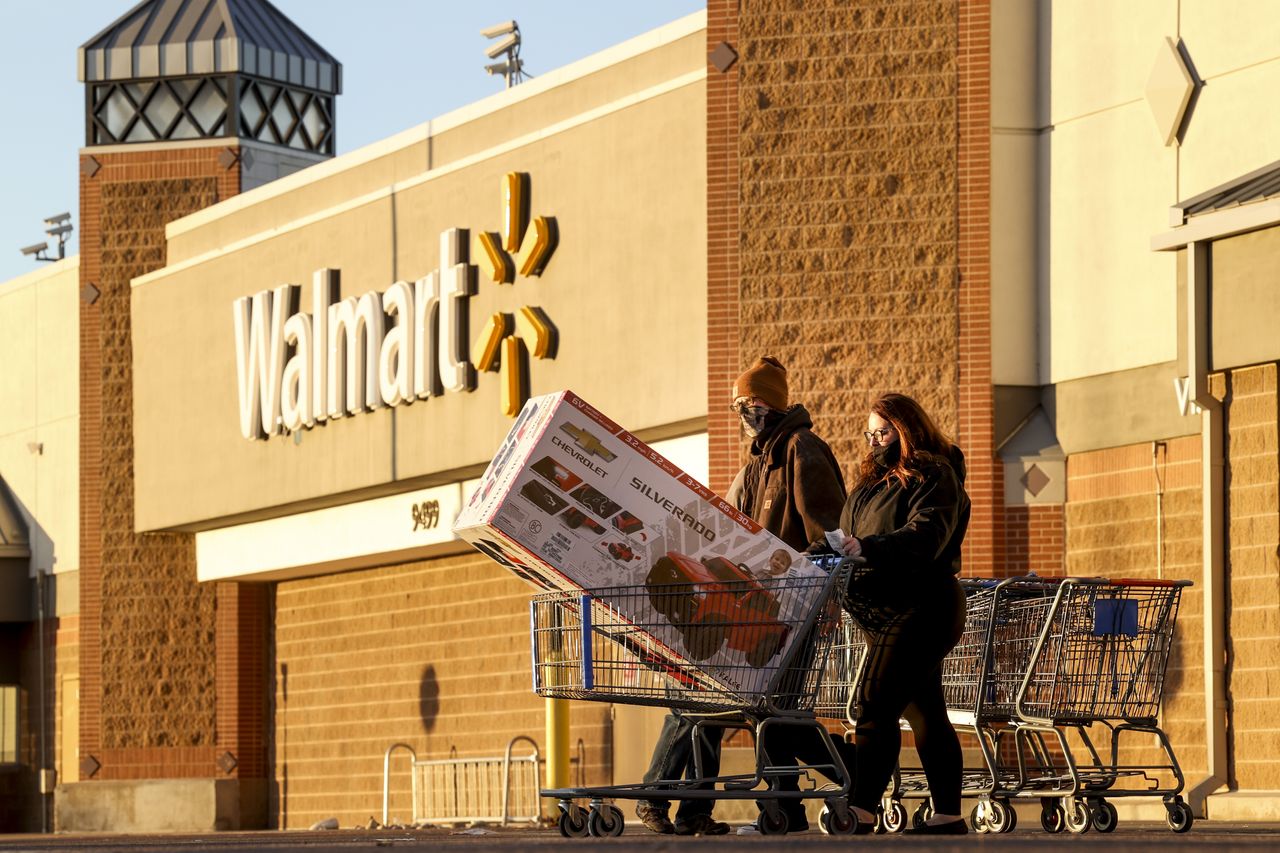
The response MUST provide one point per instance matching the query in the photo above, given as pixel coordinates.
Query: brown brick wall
(724, 361)
(1035, 540)
(846, 209)
(434, 654)
(1111, 531)
(984, 542)
(1253, 571)
(148, 692)
(66, 665)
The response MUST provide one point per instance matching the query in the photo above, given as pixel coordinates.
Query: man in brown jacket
(793, 488)
(792, 484)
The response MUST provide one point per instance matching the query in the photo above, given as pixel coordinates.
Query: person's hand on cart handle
(851, 547)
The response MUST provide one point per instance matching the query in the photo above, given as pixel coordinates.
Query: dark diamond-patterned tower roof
(179, 38)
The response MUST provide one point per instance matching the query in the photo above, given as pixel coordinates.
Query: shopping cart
(613, 645)
(1099, 660)
(972, 680)
(1041, 658)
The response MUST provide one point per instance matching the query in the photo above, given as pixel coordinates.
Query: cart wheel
(978, 820)
(1104, 816)
(605, 822)
(1180, 817)
(894, 818)
(835, 823)
(705, 640)
(999, 816)
(573, 823)
(1012, 823)
(772, 822)
(1052, 818)
(922, 815)
(1079, 816)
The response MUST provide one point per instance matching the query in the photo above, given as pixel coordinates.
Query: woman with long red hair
(905, 519)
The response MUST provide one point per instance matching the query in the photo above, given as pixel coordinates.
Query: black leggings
(903, 678)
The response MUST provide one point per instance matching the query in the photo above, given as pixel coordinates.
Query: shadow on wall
(428, 698)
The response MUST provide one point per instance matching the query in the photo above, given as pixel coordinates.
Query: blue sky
(404, 61)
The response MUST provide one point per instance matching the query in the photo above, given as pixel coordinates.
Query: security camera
(58, 230)
(57, 219)
(503, 46)
(34, 249)
(502, 68)
(500, 30)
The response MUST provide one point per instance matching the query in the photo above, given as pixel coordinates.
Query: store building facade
(1059, 241)
(991, 205)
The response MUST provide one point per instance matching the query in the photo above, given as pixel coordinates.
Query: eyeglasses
(878, 434)
(740, 407)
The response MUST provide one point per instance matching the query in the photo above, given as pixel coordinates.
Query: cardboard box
(572, 501)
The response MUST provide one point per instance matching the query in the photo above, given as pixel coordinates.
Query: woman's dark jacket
(792, 485)
(913, 531)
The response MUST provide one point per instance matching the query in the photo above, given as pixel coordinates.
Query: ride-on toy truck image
(713, 600)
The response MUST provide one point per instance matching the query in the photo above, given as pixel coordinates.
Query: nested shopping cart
(964, 671)
(1099, 660)
(616, 645)
(1039, 659)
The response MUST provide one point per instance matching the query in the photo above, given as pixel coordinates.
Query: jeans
(673, 759)
(795, 744)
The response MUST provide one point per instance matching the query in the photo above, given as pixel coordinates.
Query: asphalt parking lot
(1205, 835)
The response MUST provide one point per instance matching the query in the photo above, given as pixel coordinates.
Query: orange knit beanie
(766, 379)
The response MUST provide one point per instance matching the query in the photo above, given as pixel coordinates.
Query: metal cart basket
(585, 648)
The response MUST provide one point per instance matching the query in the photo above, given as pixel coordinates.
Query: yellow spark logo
(505, 341)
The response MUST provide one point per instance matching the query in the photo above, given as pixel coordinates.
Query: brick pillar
(243, 614)
(984, 543)
(151, 636)
(724, 361)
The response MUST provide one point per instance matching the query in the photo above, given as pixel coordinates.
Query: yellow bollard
(557, 743)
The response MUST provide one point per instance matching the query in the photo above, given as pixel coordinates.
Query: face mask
(886, 455)
(755, 420)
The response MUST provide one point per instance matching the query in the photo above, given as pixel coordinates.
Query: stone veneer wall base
(160, 805)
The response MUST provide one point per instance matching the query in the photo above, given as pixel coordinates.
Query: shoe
(749, 829)
(954, 827)
(702, 824)
(655, 820)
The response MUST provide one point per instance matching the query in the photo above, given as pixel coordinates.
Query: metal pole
(557, 743)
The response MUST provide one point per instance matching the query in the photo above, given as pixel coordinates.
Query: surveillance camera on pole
(508, 33)
(500, 29)
(59, 226)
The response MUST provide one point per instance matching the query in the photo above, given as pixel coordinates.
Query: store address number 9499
(426, 515)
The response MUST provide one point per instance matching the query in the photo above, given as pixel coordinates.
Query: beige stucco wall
(1111, 301)
(622, 171)
(1016, 131)
(40, 389)
(1235, 48)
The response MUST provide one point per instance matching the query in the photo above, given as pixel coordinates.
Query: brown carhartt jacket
(792, 486)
